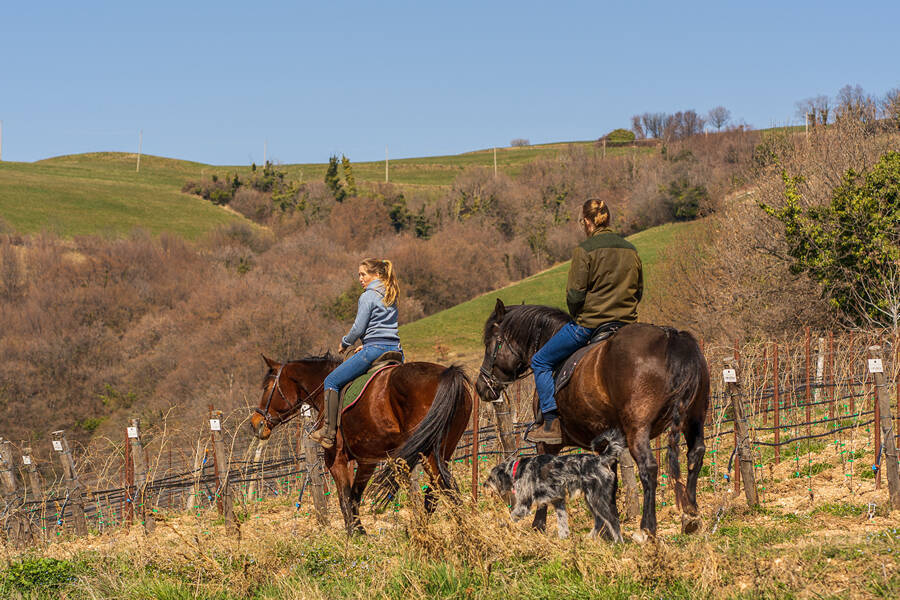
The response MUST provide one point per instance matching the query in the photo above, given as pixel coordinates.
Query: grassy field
(458, 329)
(791, 547)
(102, 194)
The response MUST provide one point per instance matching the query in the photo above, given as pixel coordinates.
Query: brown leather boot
(326, 434)
(548, 433)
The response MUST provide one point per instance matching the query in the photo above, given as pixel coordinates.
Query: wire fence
(809, 403)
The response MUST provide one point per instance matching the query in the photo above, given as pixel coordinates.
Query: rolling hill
(101, 193)
(457, 331)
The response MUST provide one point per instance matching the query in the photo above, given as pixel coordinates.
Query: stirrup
(321, 437)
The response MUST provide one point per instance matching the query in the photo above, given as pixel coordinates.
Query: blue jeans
(557, 349)
(357, 365)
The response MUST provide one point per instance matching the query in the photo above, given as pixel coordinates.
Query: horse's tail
(429, 437)
(687, 376)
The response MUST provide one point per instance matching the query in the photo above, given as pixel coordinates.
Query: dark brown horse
(412, 410)
(643, 380)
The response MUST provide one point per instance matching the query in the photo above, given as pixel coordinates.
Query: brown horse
(642, 380)
(412, 410)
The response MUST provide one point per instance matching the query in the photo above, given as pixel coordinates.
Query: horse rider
(605, 284)
(376, 325)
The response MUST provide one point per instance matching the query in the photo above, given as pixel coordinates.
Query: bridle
(493, 382)
(292, 410)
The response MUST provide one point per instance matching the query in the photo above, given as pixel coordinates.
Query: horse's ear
(272, 364)
(499, 308)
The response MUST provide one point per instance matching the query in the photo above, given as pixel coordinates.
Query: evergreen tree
(333, 180)
(348, 176)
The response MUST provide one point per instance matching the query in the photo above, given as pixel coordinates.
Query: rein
(292, 410)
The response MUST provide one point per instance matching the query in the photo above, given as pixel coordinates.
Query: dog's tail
(609, 444)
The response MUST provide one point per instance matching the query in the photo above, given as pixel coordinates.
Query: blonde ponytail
(596, 211)
(384, 270)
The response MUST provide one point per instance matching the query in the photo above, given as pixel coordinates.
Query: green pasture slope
(459, 328)
(101, 193)
(442, 170)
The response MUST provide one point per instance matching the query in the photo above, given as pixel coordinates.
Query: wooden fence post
(632, 496)
(223, 490)
(820, 371)
(886, 423)
(476, 411)
(74, 492)
(16, 524)
(503, 414)
(313, 457)
(34, 478)
(257, 488)
(141, 498)
(743, 450)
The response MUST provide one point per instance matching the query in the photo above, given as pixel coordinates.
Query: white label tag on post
(215, 425)
(305, 411)
(57, 445)
(26, 460)
(875, 365)
(729, 375)
(132, 432)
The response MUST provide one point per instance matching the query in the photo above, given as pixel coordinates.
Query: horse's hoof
(690, 523)
(640, 536)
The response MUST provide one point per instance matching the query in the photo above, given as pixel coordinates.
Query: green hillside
(442, 170)
(101, 193)
(459, 328)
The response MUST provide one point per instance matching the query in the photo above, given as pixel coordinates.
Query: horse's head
(281, 398)
(511, 337)
(502, 362)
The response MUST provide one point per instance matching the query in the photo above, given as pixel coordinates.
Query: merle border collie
(546, 479)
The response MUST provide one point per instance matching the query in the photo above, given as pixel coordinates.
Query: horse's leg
(540, 515)
(639, 444)
(437, 482)
(364, 473)
(340, 471)
(696, 448)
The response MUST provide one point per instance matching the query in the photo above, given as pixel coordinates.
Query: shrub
(619, 136)
(33, 572)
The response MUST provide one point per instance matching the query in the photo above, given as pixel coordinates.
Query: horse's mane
(529, 326)
(327, 357)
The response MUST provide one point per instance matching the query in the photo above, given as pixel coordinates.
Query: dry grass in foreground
(840, 545)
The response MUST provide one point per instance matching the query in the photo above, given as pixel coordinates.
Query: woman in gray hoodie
(376, 326)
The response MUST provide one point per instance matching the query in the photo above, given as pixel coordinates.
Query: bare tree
(719, 117)
(806, 110)
(519, 143)
(891, 106)
(854, 103)
(822, 106)
(637, 128)
(654, 124)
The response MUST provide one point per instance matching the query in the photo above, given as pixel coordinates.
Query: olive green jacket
(606, 280)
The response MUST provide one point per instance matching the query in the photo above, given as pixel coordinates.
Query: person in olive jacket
(605, 284)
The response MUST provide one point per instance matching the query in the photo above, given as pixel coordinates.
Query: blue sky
(214, 81)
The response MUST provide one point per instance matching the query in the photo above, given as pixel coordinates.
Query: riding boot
(548, 433)
(325, 434)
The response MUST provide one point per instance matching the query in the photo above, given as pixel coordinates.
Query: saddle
(354, 390)
(563, 373)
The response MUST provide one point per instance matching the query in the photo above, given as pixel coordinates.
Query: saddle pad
(564, 373)
(353, 390)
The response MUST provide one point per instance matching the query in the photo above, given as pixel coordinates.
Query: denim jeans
(357, 364)
(557, 349)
